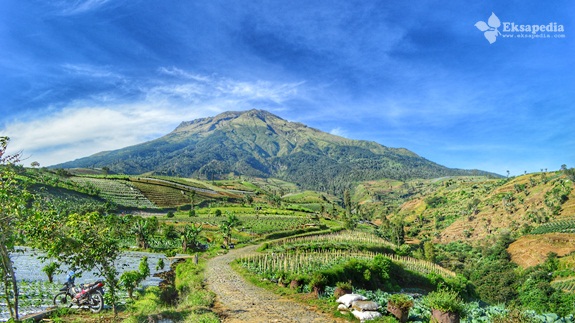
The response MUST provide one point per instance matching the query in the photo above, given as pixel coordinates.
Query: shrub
(401, 301)
(318, 283)
(50, 269)
(344, 285)
(445, 300)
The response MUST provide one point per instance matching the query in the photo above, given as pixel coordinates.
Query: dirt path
(240, 301)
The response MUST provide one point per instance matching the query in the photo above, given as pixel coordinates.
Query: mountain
(258, 143)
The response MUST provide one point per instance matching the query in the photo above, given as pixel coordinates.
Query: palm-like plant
(227, 225)
(143, 229)
(190, 236)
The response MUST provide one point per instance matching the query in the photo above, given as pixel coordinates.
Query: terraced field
(119, 192)
(163, 196)
(567, 285)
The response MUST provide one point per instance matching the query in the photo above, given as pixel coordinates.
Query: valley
(326, 214)
(429, 230)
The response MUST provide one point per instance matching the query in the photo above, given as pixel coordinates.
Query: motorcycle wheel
(63, 299)
(96, 302)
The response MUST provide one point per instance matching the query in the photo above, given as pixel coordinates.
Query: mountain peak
(259, 143)
(225, 118)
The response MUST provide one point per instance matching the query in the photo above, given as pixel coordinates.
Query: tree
(570, 173)
(429, 251)
(129, 280)
(347, 202)
(144, 267)
(248, 199)
(192, 197)
(132, 278)
(50, 269)
(169, 232)
(144, 228)
(35, 164)
(397, 232)
(227, 225)
(190, 236)
(89, 241)
(14, 210)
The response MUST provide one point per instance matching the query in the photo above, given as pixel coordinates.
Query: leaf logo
(489, 29)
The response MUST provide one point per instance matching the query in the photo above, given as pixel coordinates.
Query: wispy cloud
(99, 123)
(91, 71)
(338, 132)
(191, 85)
(84, 130)
(80, 6)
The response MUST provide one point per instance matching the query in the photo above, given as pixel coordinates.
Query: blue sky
(83, 76)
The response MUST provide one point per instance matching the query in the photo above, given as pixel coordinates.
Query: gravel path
(240, 301)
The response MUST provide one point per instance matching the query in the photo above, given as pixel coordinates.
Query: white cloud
(204, 87)
(92, 71)
(86, 127)
(338, 132)
(81, 131)
(80, 6)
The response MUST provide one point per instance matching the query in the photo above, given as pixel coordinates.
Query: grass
(194, 303)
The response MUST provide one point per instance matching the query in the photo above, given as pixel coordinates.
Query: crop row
(261, 224)
(339, 237)
(562, 226)
(116, 191)
(164, 196)
(565, 285)
(309, 262)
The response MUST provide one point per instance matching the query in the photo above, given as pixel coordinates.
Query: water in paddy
(36, 293)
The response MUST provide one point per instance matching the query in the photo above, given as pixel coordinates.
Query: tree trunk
(142, 242)
(9, 280)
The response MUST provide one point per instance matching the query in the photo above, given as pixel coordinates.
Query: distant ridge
(259, 143)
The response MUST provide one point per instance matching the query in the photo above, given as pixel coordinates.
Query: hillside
(535, 208)
(257, 143)
(471, 208)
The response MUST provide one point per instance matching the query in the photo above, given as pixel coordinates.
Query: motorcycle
(85, 296)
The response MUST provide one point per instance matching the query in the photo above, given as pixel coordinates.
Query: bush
(318, 283)
(344, 285)
(401, 301)
(50, 269)
(170, 214)
(445, 300)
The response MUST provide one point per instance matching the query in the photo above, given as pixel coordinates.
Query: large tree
(14, 209)
(86, 241)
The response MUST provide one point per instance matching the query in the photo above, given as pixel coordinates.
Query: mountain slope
(258, 143)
